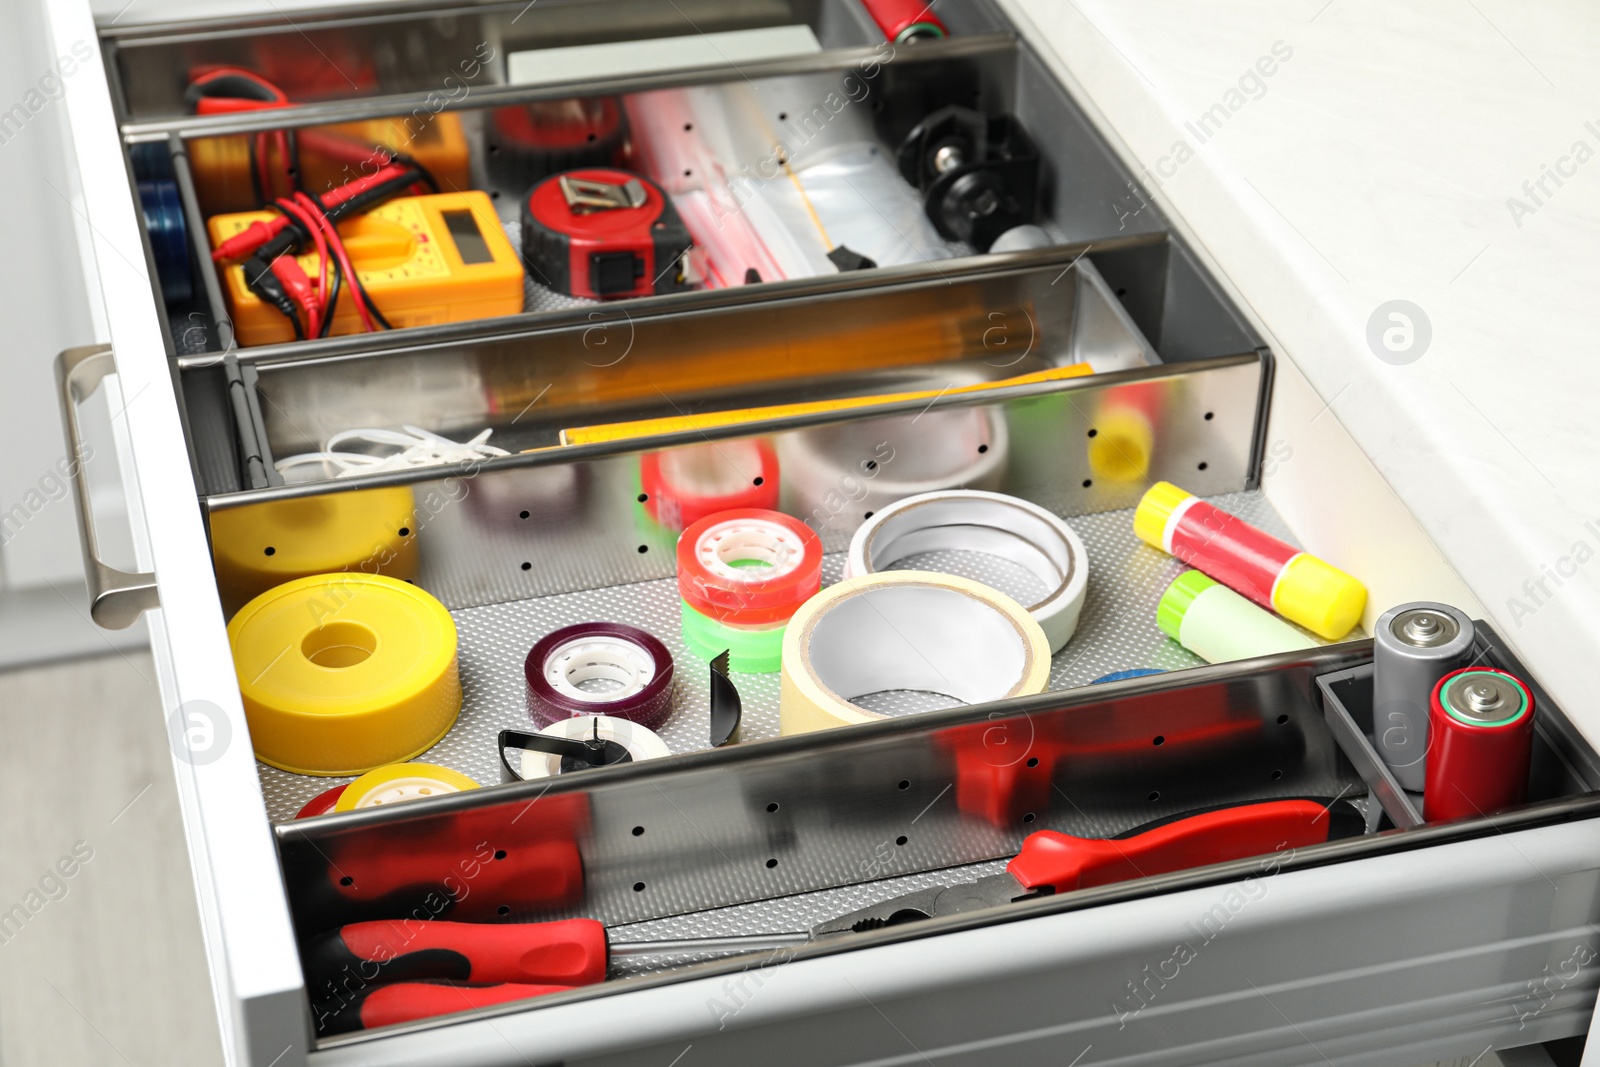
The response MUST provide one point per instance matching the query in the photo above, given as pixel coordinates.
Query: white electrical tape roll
(961, 520)
(642, 743)
(836, 476)
(905, 630)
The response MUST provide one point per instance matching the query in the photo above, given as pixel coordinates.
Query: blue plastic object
(169, 239)
(1122, 676)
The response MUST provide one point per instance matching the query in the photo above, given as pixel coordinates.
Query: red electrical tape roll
(710, 582)
(322, 803)
(684, 485)
(560, 661)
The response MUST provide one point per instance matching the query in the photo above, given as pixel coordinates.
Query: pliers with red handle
(1051, 862)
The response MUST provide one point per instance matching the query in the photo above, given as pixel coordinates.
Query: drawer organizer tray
(858, 91)
(408, 49)
(526, 543)
(896, 332)
(883, 803)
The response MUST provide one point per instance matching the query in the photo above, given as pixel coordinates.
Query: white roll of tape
(640, 742)
(961, 520)
(916, 631)
(836, 476)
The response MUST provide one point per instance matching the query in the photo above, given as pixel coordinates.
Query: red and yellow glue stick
(1295, 584)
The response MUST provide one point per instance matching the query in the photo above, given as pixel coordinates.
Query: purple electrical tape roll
(638, 663)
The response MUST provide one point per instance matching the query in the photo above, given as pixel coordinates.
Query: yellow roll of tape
(261, 546)
(905, 630)
(342, 673)
(401, 781)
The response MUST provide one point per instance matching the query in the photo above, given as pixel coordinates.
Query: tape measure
(423, 259)
(530, 142)
(604, 233)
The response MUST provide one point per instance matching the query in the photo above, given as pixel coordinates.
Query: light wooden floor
(110, 968)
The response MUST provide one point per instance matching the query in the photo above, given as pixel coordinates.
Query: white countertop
(1376, 162)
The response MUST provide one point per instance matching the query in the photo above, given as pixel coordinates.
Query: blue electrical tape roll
(169, 239)
(1122, 676)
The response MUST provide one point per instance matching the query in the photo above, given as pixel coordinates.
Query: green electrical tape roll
(749, 651)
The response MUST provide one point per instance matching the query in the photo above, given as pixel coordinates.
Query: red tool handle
(1066, 863)
(570, 952)
(405, 1002)
(895, 17)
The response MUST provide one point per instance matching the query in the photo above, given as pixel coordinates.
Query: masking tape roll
(905, 630)
(401, 781)
(964, 520)
(342, 673)
(261, 546)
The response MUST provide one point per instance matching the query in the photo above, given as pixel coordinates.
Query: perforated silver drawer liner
(1116, 631)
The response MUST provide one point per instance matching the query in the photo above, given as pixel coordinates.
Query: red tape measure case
(603, 233)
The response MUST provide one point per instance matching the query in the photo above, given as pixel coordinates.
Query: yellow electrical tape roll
(342, 673)
(905, 630)
(401, 781)
(264, 545)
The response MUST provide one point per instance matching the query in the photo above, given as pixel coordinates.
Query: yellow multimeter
(225, 176)
(422, 260)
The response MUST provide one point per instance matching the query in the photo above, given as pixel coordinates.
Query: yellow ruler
(621, 431)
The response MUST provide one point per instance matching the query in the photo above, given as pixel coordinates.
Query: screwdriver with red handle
(564, 952)
(350, 970)
(397, 970)
(404, 1002)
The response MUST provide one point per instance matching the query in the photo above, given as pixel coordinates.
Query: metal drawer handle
(116, 598)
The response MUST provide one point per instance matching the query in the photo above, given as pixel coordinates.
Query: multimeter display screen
(468, 238)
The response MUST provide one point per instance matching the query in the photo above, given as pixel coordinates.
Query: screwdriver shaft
(709, 945)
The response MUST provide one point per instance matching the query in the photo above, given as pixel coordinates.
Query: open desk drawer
(771, 837)
(1395, 944)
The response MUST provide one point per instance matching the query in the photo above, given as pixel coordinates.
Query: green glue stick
(1219, 625)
